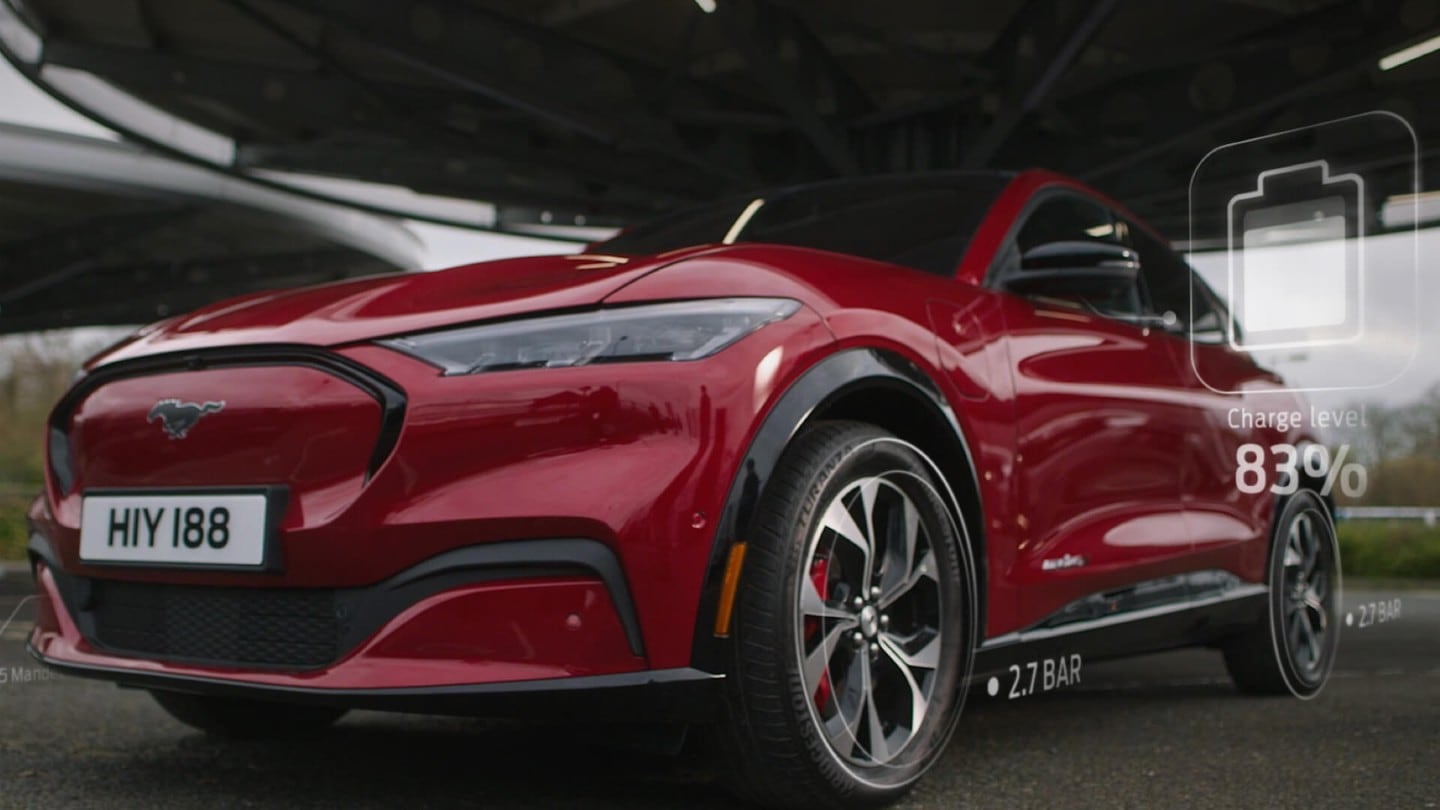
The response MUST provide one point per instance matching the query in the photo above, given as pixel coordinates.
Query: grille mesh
(242, 626)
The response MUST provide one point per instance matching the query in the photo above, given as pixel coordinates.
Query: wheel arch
(912, 417)
(869, 385)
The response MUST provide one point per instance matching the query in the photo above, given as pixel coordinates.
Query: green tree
(35, 370)
(1400, 448)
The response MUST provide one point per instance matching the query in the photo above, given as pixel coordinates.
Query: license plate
(226, 530)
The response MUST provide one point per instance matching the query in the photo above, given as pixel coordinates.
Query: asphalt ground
(1166, 730)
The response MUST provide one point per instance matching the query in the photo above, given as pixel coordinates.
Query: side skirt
(1184, 623)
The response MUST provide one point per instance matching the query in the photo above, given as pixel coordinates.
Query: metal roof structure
(99, 232)
(594, 113)
(599, 111)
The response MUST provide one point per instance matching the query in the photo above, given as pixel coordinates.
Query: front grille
(241, 626)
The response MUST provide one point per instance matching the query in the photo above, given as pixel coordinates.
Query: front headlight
(683, 330)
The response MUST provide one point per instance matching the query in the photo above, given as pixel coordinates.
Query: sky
(1392, 357)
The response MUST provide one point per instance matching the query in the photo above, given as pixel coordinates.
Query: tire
(240, 719)
(1291, 649)
(849, 730)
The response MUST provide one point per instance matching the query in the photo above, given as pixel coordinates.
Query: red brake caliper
(819, 575)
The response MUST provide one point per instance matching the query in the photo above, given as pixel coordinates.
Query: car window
(1067, 218)
(914, 221)
(691, 226)
(1070, 218)
(926, 228)
(1170, 283)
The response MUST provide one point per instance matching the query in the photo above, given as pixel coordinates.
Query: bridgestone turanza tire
(853, 626)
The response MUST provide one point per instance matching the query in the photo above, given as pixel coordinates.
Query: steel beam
(467, 47)
(752, 27)
(1026, 94)
(1259, 88)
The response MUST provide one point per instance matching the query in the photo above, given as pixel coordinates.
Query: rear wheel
(851, 629)
(1291, 649)
(237, 718)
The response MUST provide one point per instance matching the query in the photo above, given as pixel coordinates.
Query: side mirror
(1079, 254)
(1101, 276)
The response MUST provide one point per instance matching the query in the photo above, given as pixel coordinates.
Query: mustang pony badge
(178, 417)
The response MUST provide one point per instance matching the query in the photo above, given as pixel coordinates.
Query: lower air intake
(247, 627)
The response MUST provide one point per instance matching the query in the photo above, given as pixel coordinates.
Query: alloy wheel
(1307, 595)
(871, 631)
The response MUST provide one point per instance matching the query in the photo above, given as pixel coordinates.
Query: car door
(1101, 417)
(1228, 525)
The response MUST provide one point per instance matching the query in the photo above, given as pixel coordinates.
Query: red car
(799, 468)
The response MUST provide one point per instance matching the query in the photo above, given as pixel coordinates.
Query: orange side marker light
(727, 590)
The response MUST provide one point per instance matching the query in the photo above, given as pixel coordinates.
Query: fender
(808, 399)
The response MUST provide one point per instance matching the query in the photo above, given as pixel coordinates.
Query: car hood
(381, 306)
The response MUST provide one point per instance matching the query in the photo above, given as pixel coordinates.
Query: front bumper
(525, 627)
(681, 694)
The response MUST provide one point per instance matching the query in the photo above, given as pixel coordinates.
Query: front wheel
(240, 719)
(1291, 649)
(852, 628)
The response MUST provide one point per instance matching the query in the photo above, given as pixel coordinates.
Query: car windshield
(922, 221)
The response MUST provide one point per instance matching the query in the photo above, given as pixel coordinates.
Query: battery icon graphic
(1296, 271)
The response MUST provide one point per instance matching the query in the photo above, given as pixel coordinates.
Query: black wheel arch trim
(823, 384)
(510, 559)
